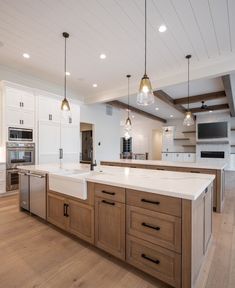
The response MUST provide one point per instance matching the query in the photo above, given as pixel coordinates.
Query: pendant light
(65, 103)
(188, 119)
(128, 120)
(145, 96)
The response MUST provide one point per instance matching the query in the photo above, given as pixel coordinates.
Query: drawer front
(110, 192)
(155, 202)
(154, 260)
(157, 228)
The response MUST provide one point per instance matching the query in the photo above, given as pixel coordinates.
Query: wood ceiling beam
(230, 92)
(122, 105)
(213, 108)
(160, 94)
(199, 98)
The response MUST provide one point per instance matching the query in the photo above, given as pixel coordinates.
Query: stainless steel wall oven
(17, 154)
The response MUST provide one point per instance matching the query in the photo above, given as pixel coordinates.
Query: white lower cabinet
(179, 157)
(189, 157)
(167, 156)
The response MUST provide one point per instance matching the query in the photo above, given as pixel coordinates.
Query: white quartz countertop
(200, 165)
(175, 184)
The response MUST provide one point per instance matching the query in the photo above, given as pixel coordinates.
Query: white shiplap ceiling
(204, 28)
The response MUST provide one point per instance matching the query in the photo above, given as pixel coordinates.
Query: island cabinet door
(56, 210)
(208, 216)
(110, 226)
(81, 220)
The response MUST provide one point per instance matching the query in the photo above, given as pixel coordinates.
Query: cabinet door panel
(49, 142)
(208, 217)
(49, 109)
(28, 101)
(81, 220)
(13, 98)
(19, 118)
(70, 138)
(55, 210)
(110, 226)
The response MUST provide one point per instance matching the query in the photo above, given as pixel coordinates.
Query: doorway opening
(86, 136)
(157, 144)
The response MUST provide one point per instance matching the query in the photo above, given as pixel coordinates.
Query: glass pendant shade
(65, 105)
(128, 124)
(188, 119)
(145, 96)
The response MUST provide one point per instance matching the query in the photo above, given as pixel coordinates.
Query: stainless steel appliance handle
(36, 175)
(23, 173)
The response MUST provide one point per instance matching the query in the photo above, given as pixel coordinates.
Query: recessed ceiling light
(171, 116)
(133, 116)
(210, 111)
(67, 73)
(162, 28)
(94, 85)
(102, 56)
(26, 55)
(156, 108)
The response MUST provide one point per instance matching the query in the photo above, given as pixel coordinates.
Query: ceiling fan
(204, 106)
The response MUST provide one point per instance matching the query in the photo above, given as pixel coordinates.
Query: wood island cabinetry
(166, 237)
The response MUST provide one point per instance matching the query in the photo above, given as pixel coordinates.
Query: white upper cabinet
(17, 118)
(20, 99)
(49, 109)
(20, 107)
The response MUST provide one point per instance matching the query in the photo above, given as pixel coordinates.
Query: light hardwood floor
(34, 254)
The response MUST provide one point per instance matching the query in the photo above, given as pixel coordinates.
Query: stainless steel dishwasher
(24, 189)
(37, 188)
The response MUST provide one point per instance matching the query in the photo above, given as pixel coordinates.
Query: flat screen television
(214, 130)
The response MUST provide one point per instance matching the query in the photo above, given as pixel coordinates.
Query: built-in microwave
(20, 134)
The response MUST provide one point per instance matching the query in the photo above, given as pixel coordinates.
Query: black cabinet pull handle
(149, 201)
(109, 193)
(67, 206)
(206, 190)
(195, 172)
(156, 261)
(64, 209)
(107, 202)
(151, 226)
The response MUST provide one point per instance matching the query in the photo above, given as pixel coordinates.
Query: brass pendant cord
(145, 38)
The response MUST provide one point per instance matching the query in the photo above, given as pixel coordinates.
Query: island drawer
(155, 202)
(154, 260)
(157, 228)
(110, 192)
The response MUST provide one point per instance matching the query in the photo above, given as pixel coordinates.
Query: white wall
(106, 131)
(143, 130)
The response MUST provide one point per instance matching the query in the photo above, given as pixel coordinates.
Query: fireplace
(213, 154)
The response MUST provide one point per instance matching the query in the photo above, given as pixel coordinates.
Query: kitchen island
(216, 169)
(157, 221)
